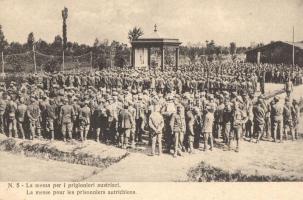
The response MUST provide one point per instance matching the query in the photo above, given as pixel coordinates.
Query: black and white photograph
(151, 91)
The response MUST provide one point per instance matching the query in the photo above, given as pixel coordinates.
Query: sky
(224, 21)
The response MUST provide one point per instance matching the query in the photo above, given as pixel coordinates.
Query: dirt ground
(264, 158)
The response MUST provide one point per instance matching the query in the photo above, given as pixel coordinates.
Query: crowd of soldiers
(126, 107)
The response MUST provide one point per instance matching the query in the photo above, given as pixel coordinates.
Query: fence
(35, 62)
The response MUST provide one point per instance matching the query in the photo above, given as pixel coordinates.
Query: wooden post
(177, 58)
(91, 60)
(2, 56)
(35, 65)
(63, 61)
(162, 58)
(293, 47)
(148, 57)
(133, 57)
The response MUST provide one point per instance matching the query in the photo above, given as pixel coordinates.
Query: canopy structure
(141, 50)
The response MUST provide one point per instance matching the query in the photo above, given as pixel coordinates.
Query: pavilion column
(148, 57)
(177, 58)
(133, 57)
(162, 58)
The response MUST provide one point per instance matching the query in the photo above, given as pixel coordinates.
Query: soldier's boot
(9, 133)
(237, 147)
(85, 135)
(97, 135)
(293, 134)
(229, 145)
(81, 136)
(211, 143)
(64, 136)
(286, 134)
(160, 148)
(296, 134)
(121, 141)
(32, 135)
(70, 135)
(125, 142)
(52, 135)
(191, 147)
(39, 133)
(22, 133)
(15, 134)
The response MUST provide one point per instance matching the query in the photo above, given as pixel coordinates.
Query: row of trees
(106, 53)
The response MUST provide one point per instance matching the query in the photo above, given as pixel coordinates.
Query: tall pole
(35, 65)
(2, 56)
(293, 46)
(63, 61)
(91, 60)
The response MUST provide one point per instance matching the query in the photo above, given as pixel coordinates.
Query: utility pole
(35, 65)
(2, 56)
(91, 60)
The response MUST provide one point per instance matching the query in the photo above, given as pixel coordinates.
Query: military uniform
(66, 117)
(84, 120)
(33, 114)
(177, 122)
(50, 111)
(20, 116)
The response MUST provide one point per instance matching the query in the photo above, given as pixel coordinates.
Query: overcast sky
(242, 21)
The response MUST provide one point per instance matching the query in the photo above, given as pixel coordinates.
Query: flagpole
(293, 46)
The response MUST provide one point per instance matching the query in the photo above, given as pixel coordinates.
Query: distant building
(276, 52)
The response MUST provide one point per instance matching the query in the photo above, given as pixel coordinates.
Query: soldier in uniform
(177, 122)
(288, 113)
(156, 124)
(50, 111)
(239, 118)
(277, 118)
(140, 119)
(84, 120)
(125, 125)
(11, 111)
(76, 107)
(259, 119)
(20, 116)
(33, 114)
(66, 118)
(219, 117)
(190, 121)
(3, 104)
(207, 126)
(288, 86)
(296, 117)
(99, 117)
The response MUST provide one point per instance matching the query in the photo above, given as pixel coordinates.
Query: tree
(3, 42)
(135, 33)
(232, 48)
(56, 46)
(30, 41)
(64, 17)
